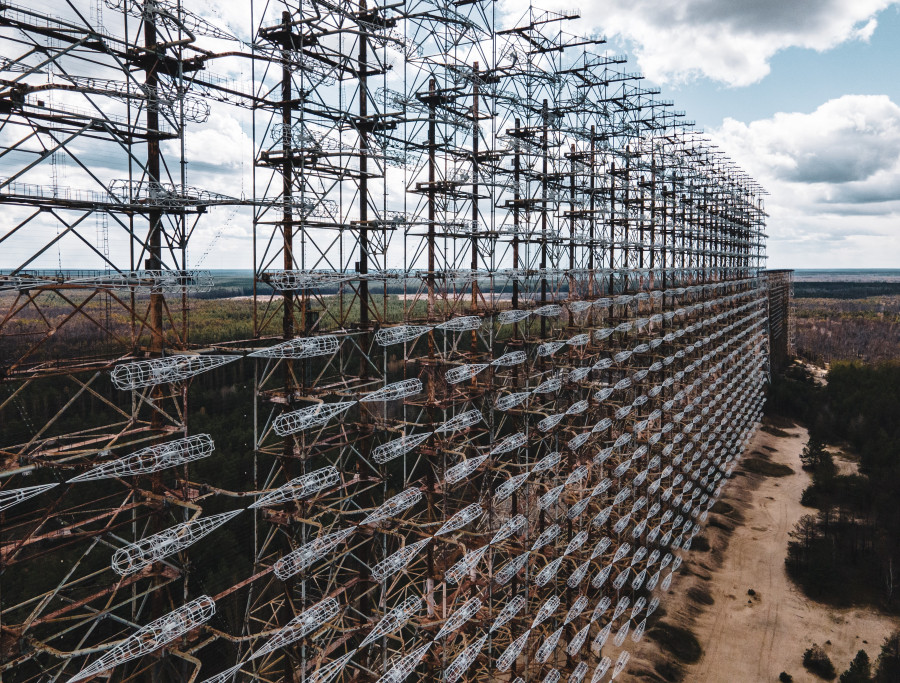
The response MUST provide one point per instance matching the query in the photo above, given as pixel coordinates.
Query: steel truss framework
(780, 286)
(510, 340)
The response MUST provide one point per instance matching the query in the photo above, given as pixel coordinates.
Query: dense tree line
(837, 328)
(848, 551)
(844, 290)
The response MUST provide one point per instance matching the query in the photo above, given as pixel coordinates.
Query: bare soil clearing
(759, 622)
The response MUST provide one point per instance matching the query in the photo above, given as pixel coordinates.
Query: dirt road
(752, 638)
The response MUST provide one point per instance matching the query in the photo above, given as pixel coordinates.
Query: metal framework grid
(510, 339)
(780, 287)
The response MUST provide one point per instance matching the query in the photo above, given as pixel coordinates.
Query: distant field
(833, 328)
(844, 290)
(847, 275)
(830, 284)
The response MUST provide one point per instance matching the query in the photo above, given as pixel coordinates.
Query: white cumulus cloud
(833, 176)
(730, 41)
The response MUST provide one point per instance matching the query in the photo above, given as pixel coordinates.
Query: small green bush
(817, 663)
(860, 670)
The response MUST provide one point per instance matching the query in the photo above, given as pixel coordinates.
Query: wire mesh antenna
(510, 359)
(302, 347)
(394, 620)
(579, 340)
(398, 447)
(169, 281)
(153, 636)
(509, 612)
(465, 566)
(327, 672)
(393, 506)
(459, 472)
(548, 462)
(549, 386)
(460, 422)
(512, 651)
(136, 556)
(304, 623)
(10, 497)
(300, 487)
(464, 660)
(466, 323)
(550, 422)
(405, 666)
(398, 561)
(464, 372)
(549, 348)
(392, 392)
(318, 549)
(512, 316)
(601, 670)
(621, 663)
(152, 459)
(578, 441)
(297, 280)
(578, 674)
(465, 516)
(388, 336)
(511, 568)
(510, 401)
(578, 307)
(149, 373)
(510, 527)
(510, 443)
(578, 374)
(306, 418)
(542, 654)
(548, 311)
(468, 610)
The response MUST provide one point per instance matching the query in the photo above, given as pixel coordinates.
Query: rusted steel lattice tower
(780, 286)
(508, 342)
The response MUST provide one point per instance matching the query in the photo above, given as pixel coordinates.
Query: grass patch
(766, 468)
(680, 642)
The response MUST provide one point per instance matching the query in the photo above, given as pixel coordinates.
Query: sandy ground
(753, 638)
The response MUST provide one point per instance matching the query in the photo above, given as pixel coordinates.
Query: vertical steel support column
(476, 129)
(363, 130)
(432, 176)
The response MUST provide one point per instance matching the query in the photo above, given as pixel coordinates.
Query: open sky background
(803, 94)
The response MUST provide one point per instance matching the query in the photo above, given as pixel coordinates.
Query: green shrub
(889, 660)
(817, 663)
(860, 670)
